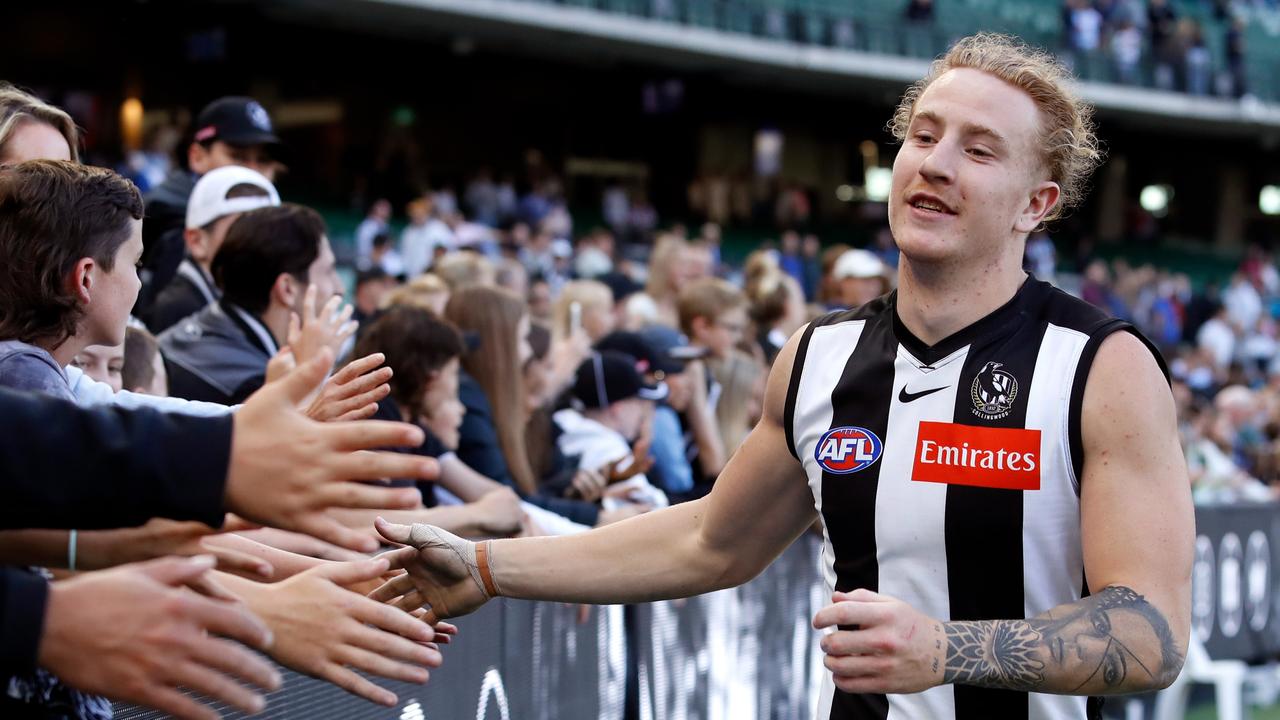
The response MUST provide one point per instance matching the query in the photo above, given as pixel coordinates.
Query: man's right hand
(287, 470)
(136, 634)
(441, 572)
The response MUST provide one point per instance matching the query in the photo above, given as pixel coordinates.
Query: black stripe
(861, 398)
(984, 525)
(793, 387)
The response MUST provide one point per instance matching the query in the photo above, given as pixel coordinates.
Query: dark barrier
(749, 652)
(741, 653)
(1233, 605)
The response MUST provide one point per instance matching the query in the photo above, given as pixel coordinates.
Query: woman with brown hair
(491, 387)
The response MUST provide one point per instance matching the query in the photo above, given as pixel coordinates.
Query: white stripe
(911, 517)
(1052, 555)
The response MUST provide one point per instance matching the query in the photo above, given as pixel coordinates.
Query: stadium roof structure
(581, 32)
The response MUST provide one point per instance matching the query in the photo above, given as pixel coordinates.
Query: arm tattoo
(1111, 642)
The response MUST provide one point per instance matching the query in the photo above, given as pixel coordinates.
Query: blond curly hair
(1070, 147)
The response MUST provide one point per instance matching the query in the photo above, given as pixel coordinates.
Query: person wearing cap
(860, 278)
(228, 131)
(219, 197)
(612, 405)
(271, 261)
(658, 349)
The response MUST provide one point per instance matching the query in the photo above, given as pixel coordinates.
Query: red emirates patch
(1005, 458)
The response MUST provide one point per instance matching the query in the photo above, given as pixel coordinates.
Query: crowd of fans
(560, 378)
(1119, 35)
(1221, 345)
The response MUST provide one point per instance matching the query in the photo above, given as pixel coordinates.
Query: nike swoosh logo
(906, 397)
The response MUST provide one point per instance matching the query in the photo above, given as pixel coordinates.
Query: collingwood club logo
(993, 392)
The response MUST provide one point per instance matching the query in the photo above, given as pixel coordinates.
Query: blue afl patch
(847, 449)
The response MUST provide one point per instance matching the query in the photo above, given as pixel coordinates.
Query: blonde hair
(1069, 145)
(18, 106)
(588, 293)
(426, 291)
(666, 252)
(707, 298)
(464, 269)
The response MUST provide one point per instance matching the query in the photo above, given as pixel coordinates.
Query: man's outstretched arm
(1129, 635)
(760, 504)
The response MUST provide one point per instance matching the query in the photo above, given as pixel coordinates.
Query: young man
(713, 313)
(219, 197)
(70, 239)
(228, 131)
(980, 448)
(269, 260)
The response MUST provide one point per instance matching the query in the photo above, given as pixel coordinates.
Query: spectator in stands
(385, 255)
(60, 297)
(102, 363)
(653, 349)
(828, 287)
(612, 412)
(228, 131)
(1126, 52)
(593, 315)
(775, 303)
(1243, 303)
(713, 314)
(790, 259)
(31, 129)
(1217, 337)
(426, 291)
(1237, 69)
(692, 398)
(422, 351)
(1162, 24)
(219, 197)
(668, 273)
(143, 369)
(860, 278)
(1197, 60)
(372, 287)
(742, 380)
(918, 33)
(492, 390)
(461, 270)
(373, 225)
(272, 260)
(424, 235)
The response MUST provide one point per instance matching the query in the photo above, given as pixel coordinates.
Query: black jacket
(162, 245)
(190, 291)
(217, 355)
(62, 466)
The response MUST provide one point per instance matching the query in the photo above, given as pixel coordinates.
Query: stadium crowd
(537, 378)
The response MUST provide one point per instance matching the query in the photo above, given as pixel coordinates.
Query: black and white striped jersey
(949, 476)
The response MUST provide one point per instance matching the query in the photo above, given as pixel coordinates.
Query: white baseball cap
(857, 264)
(209, 199)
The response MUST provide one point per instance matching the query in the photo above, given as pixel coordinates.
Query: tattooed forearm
(1112, 642)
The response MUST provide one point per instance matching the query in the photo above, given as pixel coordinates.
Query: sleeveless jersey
(948, 476)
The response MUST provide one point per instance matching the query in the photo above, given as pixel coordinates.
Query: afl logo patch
(993, 392)
(847, 449)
